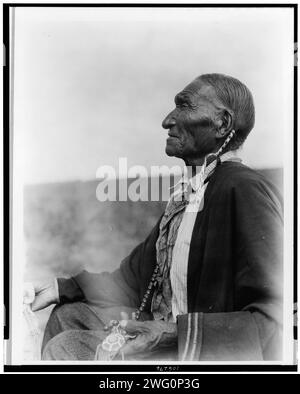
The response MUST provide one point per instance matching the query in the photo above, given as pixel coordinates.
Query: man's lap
(81, 345)
(77, 327)
(73, 345)
(74, 331)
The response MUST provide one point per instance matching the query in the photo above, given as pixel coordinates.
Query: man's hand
(45, 295)
(150, 336)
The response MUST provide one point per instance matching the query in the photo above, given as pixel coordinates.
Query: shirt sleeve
(253, 330)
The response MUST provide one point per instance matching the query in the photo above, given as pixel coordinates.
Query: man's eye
(182, 105)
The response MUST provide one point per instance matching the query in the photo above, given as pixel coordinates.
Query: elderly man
(206, 283)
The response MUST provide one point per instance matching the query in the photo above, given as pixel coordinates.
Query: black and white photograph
(151, 186)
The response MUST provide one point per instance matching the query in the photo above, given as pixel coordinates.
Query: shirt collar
(197, 181)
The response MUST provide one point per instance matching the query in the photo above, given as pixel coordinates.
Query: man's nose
(169, 121)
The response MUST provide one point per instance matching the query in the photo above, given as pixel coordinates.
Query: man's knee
(62, 318)
(77, 315)
(73, 345)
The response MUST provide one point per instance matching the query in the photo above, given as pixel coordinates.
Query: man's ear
(225, 123)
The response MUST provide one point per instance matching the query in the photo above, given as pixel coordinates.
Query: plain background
(93, 85)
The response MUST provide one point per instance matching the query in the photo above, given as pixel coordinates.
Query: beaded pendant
(110, 346)
(113, 342)
(152, 283)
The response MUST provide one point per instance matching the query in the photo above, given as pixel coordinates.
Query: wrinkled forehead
(199, 90)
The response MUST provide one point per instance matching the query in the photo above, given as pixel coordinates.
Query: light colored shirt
(178, 272)
(180, 255)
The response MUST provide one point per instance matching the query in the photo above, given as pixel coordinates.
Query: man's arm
(120, 287)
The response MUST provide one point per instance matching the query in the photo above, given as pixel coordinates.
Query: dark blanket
(235, 277)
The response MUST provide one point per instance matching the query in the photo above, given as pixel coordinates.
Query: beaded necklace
(153, 281)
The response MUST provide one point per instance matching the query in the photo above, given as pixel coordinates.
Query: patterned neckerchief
(162, 298)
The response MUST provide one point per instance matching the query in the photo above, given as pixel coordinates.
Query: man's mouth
(172, 135)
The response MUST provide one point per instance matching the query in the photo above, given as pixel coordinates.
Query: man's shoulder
(234, 173)
(235, 176)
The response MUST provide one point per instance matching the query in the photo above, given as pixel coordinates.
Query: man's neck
(194, 165)
(194, 162)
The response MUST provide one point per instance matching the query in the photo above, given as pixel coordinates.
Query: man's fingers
(37, 305)
(132, 326)
(127, 350)
(40, 296)
(124, 316)
(130, 347)
(28, 293)
(40, 287)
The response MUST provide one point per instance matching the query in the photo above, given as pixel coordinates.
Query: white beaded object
(28, 293)
(111, 345)
(113, 342)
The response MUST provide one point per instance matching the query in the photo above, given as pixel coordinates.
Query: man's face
(191, 124)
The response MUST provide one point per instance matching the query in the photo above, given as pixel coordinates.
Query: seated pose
(207, 282)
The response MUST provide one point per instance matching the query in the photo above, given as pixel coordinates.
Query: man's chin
(171, 151)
